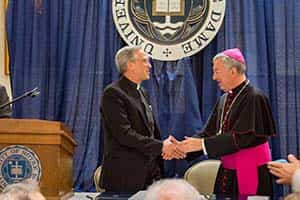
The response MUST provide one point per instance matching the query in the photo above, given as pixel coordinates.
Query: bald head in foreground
(172, 189)
(25, 190)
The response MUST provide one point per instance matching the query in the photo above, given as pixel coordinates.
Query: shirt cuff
(203, 147)
(296, 181)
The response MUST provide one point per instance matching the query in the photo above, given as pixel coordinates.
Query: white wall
(4, 79)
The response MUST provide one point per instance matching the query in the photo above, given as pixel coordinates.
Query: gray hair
(230, 63)
(175, 189)
(124, 55)
(21, 191)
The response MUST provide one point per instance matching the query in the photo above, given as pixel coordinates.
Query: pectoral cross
(168, 7)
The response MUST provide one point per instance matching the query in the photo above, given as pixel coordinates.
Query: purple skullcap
(235, 54)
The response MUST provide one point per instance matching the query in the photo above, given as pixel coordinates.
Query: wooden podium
(52, 142)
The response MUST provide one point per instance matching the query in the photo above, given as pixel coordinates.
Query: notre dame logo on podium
(168, 29)
(17, 163)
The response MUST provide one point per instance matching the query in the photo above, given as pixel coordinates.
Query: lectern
(48, 141)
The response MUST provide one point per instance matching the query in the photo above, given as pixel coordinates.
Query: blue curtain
(61, 47)
(67, 48)
(175, 103)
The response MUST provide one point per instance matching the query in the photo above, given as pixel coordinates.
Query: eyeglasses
(140, 59)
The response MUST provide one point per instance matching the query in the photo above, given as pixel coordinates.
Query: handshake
(174, 149)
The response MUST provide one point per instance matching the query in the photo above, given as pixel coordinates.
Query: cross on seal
(167, 52)
(16, 169)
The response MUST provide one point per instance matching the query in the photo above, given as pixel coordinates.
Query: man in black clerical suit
(237, 130)
(132, 146)
(6, 111)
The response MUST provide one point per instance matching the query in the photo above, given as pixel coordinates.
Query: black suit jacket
(6, 111)
(128, 145)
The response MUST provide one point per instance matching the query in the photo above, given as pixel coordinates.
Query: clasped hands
(174, 149)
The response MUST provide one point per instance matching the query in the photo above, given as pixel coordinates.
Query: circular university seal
(168, 29)
(18, 162)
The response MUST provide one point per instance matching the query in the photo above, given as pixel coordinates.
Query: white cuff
(203, 147)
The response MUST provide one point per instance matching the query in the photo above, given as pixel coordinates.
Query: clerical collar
(129, 83)
(238, 88)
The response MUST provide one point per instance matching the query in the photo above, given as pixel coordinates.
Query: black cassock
(241, 119)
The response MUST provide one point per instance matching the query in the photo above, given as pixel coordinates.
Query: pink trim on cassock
(246, 162)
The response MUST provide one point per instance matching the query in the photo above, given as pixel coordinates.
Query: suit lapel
(135, 98)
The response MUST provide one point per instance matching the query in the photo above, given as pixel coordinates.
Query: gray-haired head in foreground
(25, 190)
(293, 196)
(230, 63)
(172, 189)
(124, 55)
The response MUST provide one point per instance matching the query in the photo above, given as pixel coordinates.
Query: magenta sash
(246, 162)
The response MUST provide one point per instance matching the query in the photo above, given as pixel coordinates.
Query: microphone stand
(32, 93)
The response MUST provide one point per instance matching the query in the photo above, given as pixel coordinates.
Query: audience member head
(293, 196)
(172, 189)
(25, 190)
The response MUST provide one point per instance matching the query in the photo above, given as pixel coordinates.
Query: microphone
(33, 93)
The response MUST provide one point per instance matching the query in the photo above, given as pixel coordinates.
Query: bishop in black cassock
(237, 131)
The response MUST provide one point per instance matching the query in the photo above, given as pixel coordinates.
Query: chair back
(97, 175)
(202, 175)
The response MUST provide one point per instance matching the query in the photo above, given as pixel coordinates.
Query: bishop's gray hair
(124, 55)
(230, 63)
